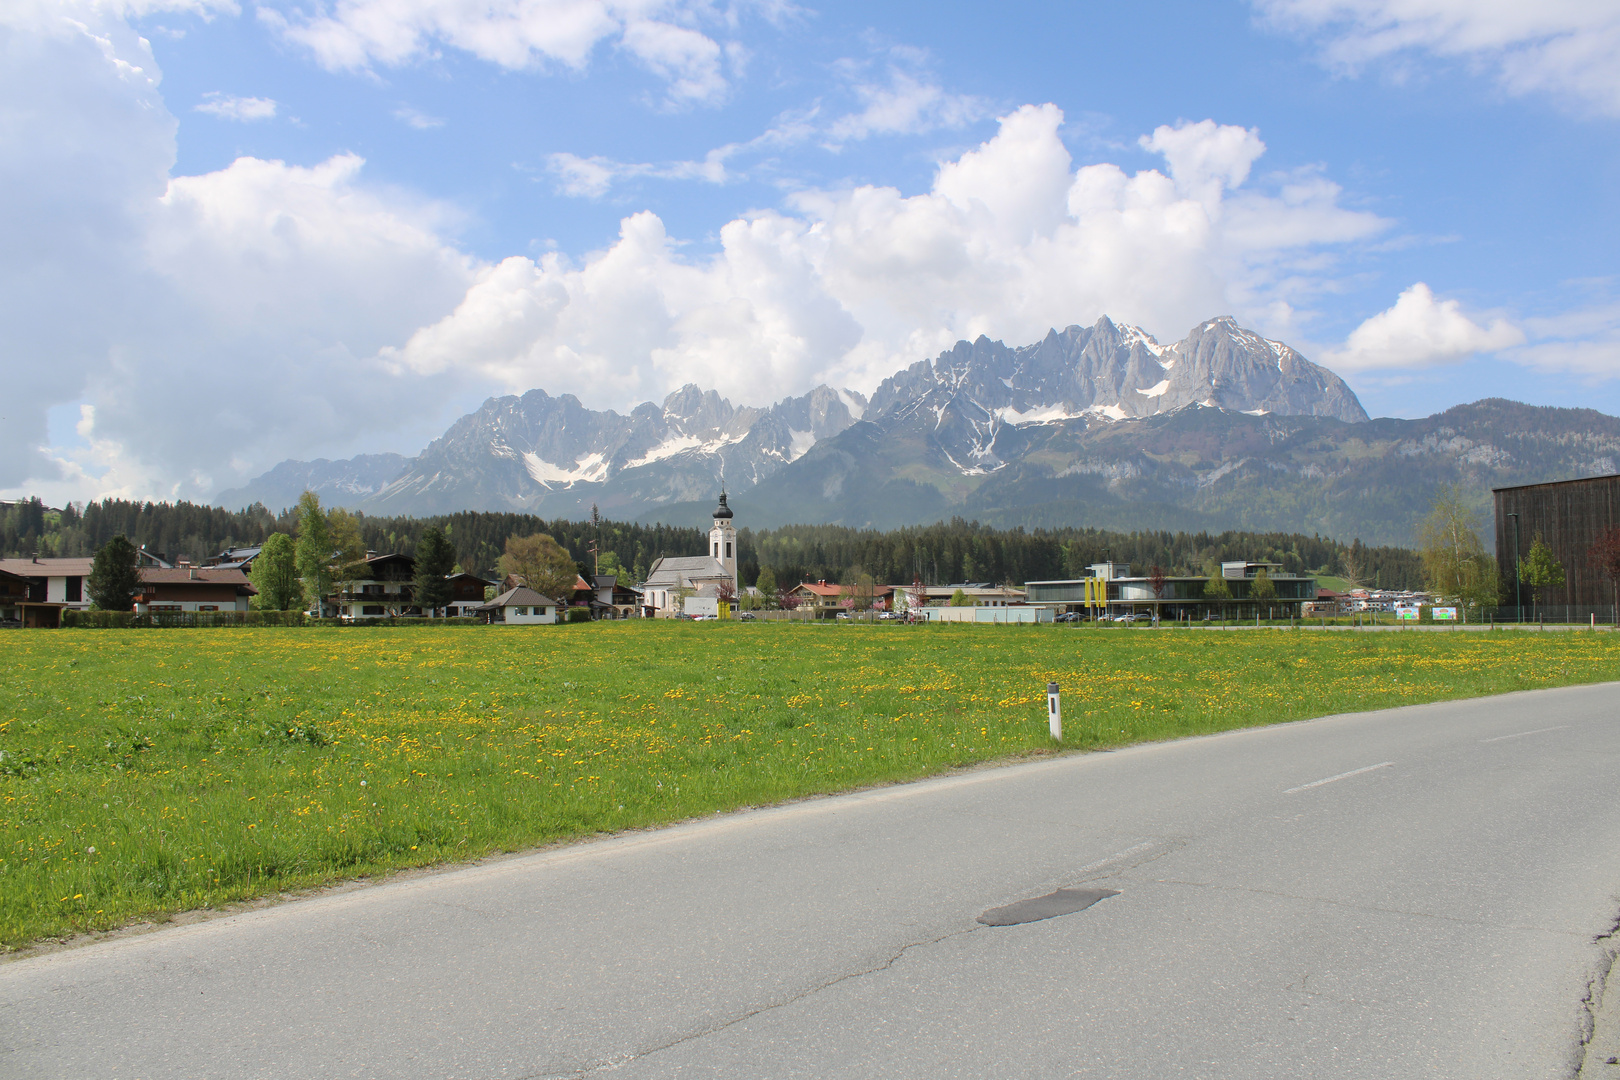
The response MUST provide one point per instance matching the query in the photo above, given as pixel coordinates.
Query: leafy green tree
(434, 560)
(1261, 587)
(1455, 564)
(348, 548)
(1216, 588)
(766, 584)
(115, 575)
(314, 550)
(1540, 570)
(275, 575)
(609, 564)
(960, 599)
(544, 565)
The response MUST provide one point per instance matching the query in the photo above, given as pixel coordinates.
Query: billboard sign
(1443, 614)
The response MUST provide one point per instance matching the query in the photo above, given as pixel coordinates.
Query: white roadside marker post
(1054, 712)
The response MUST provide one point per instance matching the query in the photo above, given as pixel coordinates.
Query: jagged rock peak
(1120, 371)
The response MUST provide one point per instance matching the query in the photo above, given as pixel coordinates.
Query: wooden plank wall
(1567, 516)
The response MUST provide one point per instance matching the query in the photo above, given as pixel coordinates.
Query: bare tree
(1605, 558)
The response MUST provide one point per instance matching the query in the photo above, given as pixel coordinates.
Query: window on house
(75, 590)
(728, 549)
(371, 609)
(717, 550)
(520, 611)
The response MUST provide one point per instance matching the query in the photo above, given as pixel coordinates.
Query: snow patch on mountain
(589, 469)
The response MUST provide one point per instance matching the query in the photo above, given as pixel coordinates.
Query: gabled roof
(47, 567)
(521, 596)
(195, 575)
(818, 589)
(675, 570)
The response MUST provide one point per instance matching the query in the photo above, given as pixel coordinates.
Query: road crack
(1592, 1010)
(630, 1058)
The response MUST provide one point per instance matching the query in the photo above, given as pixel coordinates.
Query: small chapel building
(673, 578)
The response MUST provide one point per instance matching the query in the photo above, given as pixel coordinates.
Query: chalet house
(610, 600)
(827, 600)
(13, 594)
(467, 593)
(192, 588)
(519, 606)
(53, 585)
(385, 591)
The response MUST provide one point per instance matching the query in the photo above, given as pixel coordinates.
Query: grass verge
(144, 773)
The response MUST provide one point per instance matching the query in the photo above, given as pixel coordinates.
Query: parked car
(1128, 617)
(745, 616)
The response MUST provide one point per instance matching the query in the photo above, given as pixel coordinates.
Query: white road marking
(1117, 856)
(1341, 776)
(1522, 734)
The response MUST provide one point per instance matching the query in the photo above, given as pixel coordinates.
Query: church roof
(678, 570)
(722, 511)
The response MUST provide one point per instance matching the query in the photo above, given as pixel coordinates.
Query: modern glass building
(1181, 597)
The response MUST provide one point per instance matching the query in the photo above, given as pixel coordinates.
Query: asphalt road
(1422, 892)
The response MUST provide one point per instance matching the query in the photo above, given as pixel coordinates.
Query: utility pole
(595, 548)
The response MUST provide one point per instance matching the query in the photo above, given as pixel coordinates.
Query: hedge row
(124, 620)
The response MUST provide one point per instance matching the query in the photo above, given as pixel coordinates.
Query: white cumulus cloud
(1566, 48)
(229, 107)
(1421, 331)
(846, 286)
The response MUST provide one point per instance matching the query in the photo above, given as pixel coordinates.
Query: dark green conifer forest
(941, 553)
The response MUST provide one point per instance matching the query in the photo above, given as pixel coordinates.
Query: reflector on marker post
(1054, 711)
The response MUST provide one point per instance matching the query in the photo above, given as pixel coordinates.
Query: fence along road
(1417, 892)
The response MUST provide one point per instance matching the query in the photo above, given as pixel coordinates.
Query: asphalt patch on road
(1062, 902)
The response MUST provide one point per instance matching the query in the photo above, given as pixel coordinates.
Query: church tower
(723, 541)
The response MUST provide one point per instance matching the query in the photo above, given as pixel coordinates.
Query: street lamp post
(1518, 601)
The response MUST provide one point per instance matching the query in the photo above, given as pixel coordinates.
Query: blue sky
(251, 231)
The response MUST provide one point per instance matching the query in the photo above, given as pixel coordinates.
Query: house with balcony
(192, 588)
(54, 586)
(13, 595)
(467, 593)
(385, 591)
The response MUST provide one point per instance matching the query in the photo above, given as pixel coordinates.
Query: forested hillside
(940, 553)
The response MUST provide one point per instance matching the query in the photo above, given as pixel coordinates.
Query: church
(673, 578)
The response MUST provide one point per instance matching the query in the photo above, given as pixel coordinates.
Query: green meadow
(147, 772)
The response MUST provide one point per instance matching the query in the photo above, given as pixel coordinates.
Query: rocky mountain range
(1096, 425)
